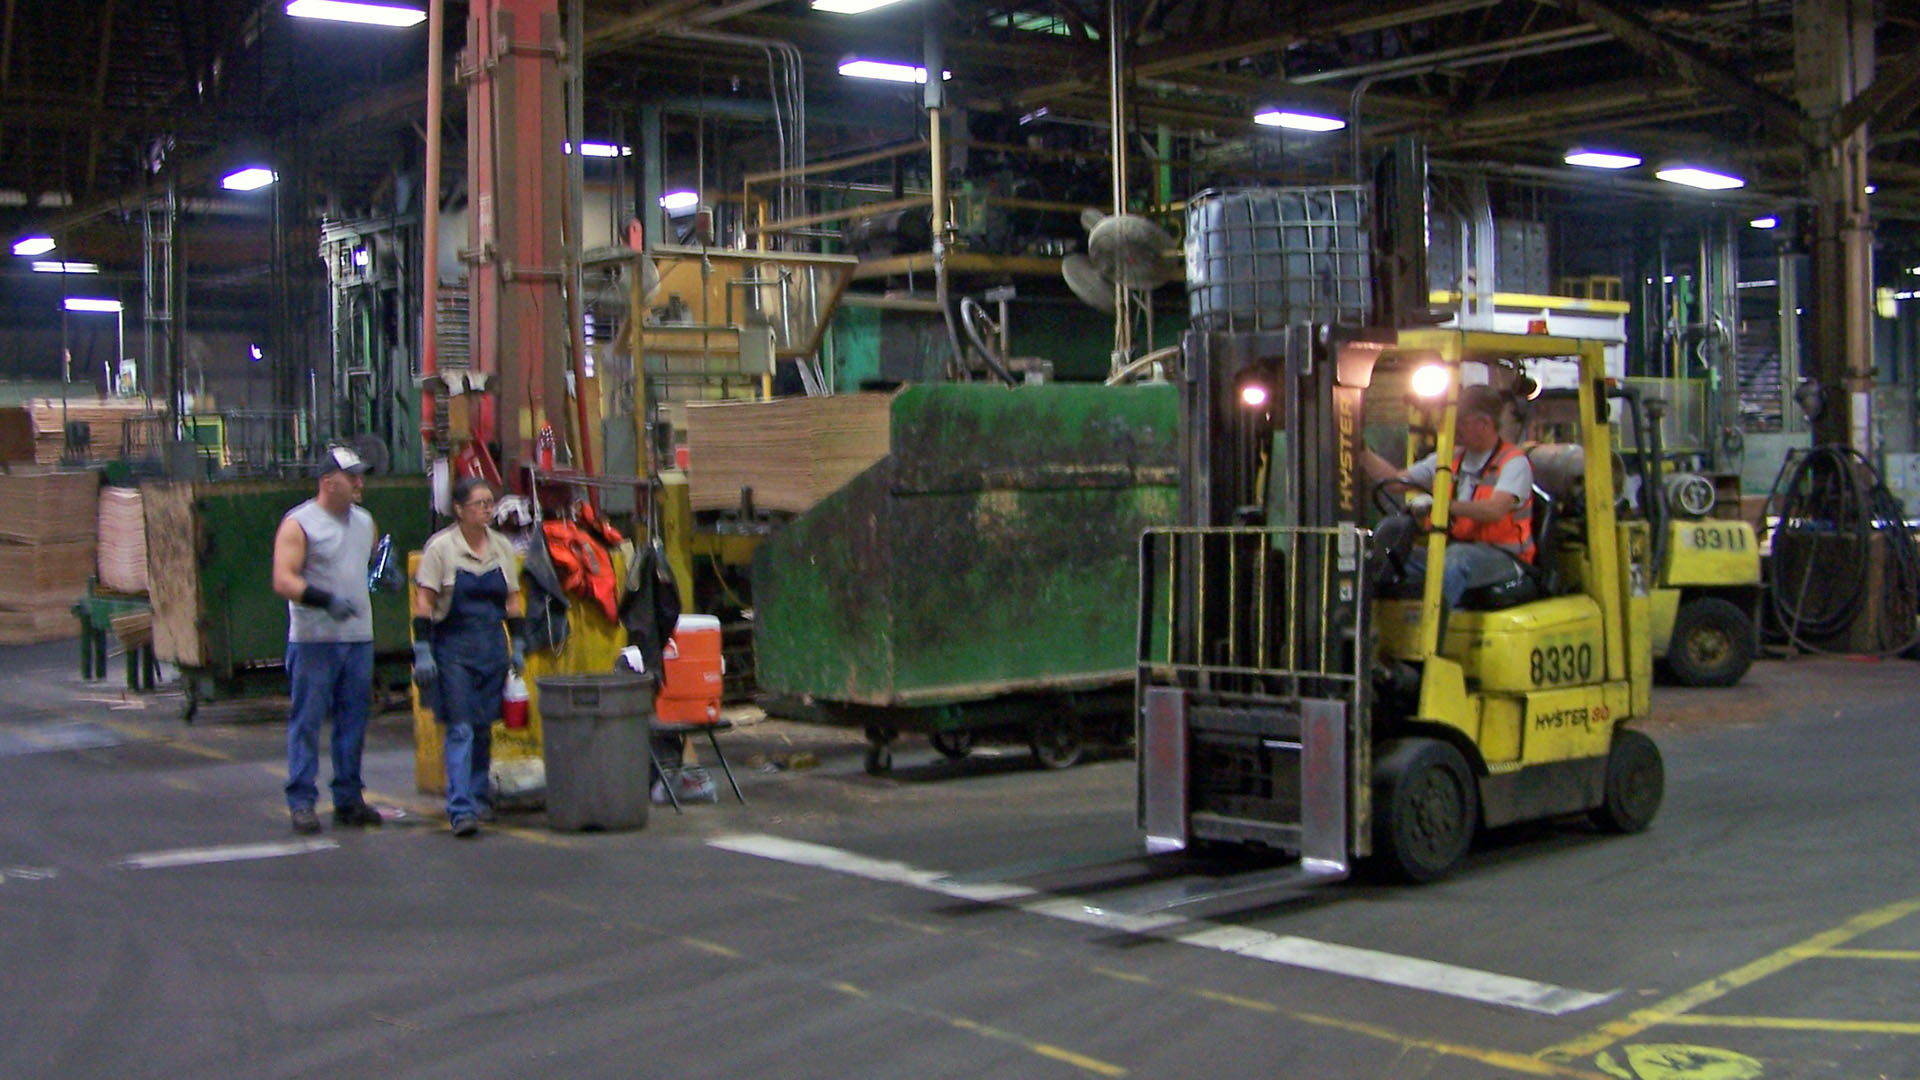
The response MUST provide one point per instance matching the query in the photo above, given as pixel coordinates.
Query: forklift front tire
(1426, 807)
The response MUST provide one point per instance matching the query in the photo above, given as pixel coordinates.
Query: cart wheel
(1057, 742)
(1425, 808)
(1636, 780)
(953, 745)
(879, 759)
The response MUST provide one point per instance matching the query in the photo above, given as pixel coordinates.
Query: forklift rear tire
(1712, 643)
(1426, 807)
(1636, 780)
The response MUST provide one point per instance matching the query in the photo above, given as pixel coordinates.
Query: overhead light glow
(33, 245)
(250, 179)
(254, 352)
(365, 14)
(1601, 159)
(66, 268)
(1704, 179)
(1914, 270)
(1870, 188)
(850, 7)
(886, 72)
(598, 149)
(1768, 222)
(1296, 121)
(86, 303)
(674, 201)
(1429, 380)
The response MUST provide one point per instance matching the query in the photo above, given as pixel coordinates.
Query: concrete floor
(1767, 926)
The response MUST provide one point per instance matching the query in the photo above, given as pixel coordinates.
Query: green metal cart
(977, 582)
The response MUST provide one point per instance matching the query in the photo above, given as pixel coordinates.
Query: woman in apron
(467, 590)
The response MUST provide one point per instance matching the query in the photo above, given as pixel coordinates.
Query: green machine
(210, 555)
(976, 581)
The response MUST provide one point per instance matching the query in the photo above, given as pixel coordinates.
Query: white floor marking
(161, 860)
(1405, 971)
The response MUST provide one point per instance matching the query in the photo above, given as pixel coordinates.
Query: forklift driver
(1490, 518)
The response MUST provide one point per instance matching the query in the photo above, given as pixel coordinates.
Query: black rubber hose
(1834, 486)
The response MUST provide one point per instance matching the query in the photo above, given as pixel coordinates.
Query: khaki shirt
(447, 553)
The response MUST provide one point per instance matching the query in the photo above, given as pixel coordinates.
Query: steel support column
(1833, 64)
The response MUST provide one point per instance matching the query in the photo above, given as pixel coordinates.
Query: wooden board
(123, 541)
(792, 452)
(116, 427)
(36, 624)
(16, 435)
(173, 573)
(43, 575)
(44, 506)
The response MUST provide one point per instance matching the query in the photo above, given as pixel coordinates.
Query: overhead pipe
(1117, 137)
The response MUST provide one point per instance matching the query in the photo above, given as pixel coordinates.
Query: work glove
(517, 655)
(340, 608)
(425, 671)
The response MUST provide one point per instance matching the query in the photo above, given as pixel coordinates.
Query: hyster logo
(1559, 719)
(1346, 405)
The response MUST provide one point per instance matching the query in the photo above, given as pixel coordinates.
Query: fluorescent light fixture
(1762, 283)
(1768, 222)
(86, 303)
(1600, 159)
(850, 7)
(1704, 179)
(365, 14)
(675, 201)
(1870, 188)
(66, 268)
(253, 352)
(886, 72)
(249, 179)
(1296, 121)
(1914, 270)
(33, 245)
(598, 149)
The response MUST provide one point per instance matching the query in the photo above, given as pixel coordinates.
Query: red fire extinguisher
(513, 702)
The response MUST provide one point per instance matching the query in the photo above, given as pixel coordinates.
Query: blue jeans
(330, 679)
(469, 756)
(1468, 566)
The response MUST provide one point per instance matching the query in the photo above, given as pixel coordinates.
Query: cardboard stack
(123, 541)
(47, 520)
(792, 452)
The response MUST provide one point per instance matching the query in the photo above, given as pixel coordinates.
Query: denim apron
(470, 648)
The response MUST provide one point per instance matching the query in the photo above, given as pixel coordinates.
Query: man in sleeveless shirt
(320, 559)
(1490, 518)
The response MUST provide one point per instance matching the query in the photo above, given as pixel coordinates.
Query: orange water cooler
(694, 671)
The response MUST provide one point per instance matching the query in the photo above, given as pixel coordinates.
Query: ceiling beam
(1780, 116)
(1883, 104)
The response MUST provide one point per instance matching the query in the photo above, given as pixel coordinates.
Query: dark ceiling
(96, 95)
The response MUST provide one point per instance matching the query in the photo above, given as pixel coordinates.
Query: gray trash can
(594, 731)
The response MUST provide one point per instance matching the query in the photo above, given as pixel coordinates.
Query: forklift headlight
(1254, 395)
(1430, 381)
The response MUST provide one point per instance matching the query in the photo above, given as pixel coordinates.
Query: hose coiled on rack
(1835, 488)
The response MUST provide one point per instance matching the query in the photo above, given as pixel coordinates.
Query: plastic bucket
(694, 671)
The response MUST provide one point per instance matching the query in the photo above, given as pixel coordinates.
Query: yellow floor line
(1236, 1000)
(137, 733)
(1691, 998)
(1507, 1060)
(713, 947)
(1797, 1023)
(1873, 954)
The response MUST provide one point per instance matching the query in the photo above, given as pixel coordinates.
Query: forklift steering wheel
(1383, 499)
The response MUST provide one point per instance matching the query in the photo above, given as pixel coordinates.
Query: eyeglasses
(484, 504)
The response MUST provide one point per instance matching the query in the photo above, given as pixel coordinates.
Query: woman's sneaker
(466, 825)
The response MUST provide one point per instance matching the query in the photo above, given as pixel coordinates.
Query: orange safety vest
(584, 567)
(1513, 532)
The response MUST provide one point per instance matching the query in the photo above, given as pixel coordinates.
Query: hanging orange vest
(584, 567)
(1513, 532)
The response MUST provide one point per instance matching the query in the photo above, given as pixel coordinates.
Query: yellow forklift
(1298, 695)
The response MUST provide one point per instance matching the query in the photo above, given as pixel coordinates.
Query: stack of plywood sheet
(123, 541)
(46, 551)
(116, 427)
(792, 452)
